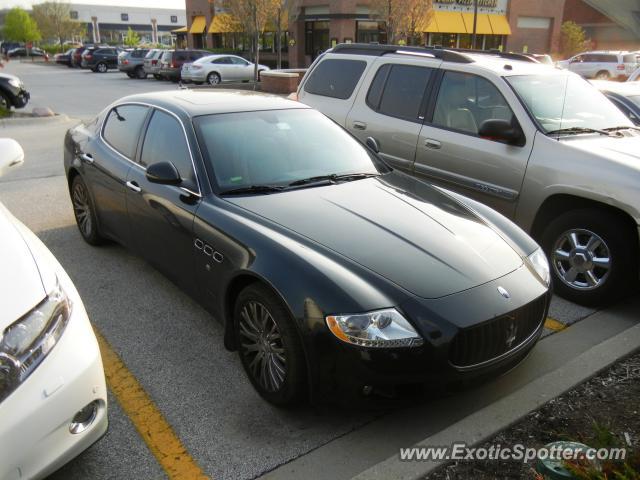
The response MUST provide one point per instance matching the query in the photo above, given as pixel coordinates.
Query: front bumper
(344, 370)
(34, 431)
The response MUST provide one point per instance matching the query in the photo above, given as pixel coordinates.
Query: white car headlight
(26, 342)
(538, 262)
(379, 329)
(15, 83)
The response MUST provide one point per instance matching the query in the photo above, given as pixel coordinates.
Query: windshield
(278, 147)
(635, 99)
(566, 101)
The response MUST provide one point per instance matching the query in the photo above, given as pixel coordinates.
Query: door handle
(359, 125)
(431, 143)
(134, 186)
(86, 157)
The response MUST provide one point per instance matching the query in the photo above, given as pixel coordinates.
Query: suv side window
(165, 142)
(398, 90)
(335, 78)
(465, 101)
(122, 127)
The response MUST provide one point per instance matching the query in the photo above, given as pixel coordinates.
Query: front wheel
(593, 256)
(5, 103)
(84, 212)
(269, 346)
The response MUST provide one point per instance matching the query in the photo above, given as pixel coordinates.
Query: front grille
(491, 339)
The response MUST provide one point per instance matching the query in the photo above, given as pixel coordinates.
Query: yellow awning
(199, 24)
(499, 24)
(225, 23)
(483, 27)
(450, 22)
(180, 30)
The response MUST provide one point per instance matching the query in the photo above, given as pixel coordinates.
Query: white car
(635, 76)
(215, 69)
(53, 397)
(604, 65)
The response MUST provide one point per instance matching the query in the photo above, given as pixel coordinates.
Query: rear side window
(138, 54)
(222, 61)
(631, 58)
(335, 78)
(398, 90)
(122, 128)
(165, 142)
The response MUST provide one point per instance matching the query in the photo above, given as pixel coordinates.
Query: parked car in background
(260, 207)
(603, 65)
(625, 96)
(172, 60)
(131, 62)
(27, 52)
(12, 92)
(215, 69)
(151, 63)
(76, 56)
(100, 59)
(53, 397)
(494, 128)
(64, 58)
(6, 46)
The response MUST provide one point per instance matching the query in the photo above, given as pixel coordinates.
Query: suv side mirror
(11, 154)
(501, 131)
(164, 173)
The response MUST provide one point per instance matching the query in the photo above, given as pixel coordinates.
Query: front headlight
(26, 342)
(14, 82)
(538, 262)
(379, 329)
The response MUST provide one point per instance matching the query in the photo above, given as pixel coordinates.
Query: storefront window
(446, 40)
(316, 38)
(371, 32)
(493, 41)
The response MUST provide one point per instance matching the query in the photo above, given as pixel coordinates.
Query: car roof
(192, 103)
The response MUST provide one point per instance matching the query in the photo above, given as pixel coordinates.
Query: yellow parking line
(553, 324)
(154, 429)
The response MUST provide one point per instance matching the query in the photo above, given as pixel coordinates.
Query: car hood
(402, 229)
(20, 281)
(624, 150)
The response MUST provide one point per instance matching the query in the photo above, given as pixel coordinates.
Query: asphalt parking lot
(165, 360)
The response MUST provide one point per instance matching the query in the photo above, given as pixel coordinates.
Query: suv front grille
(484, 342)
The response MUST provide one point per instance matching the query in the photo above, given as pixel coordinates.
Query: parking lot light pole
(475, 23)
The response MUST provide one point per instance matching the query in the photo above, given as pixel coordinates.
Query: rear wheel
(101, 67)
(593, 256)
(269, 346)
(213, 78)
(140, 73)
(129, 74)
(84, 212)
(602, 75)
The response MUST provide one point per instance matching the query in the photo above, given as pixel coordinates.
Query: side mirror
(373, 144)
(164, 173)
(501, 131)
(11, 154)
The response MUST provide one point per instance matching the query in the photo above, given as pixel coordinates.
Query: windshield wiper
(623, 127)
(346, 177)
(253, 189)
(578, 130)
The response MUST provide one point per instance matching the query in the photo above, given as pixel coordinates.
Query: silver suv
(540, 145)
(603, 65)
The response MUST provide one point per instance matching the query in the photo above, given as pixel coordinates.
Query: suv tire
(139, 73)
(592, 256)
(603, 75)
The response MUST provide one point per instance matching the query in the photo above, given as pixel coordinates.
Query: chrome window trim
(184, 133)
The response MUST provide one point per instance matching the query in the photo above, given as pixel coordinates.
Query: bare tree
(54, 20)
(404, 18)
(417, 14)
(285, 10)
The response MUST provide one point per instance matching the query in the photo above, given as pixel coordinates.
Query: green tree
(54, 21)
(20, 27)
(573, 39)
(132, 38)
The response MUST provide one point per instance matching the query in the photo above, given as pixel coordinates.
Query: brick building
(535, 25)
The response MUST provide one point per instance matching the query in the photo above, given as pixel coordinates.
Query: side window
(239, 61)
(335, 78)
(398, 90)
(181, 57)
(465, 101)
(122, 128)
(165, 142)
(221, 61)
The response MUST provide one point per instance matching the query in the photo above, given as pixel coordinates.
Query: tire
(157, 77)
(214, 79)
(5, 101)
(603, 75)
(84, 212)
(598, 234)
(139, 73)
(129, 74)
(102, 67)
(262, 322)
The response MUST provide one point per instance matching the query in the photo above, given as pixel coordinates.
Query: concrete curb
(488, 421)
(21, 121)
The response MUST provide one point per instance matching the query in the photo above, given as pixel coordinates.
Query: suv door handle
(134, 186)
(359, 125)
(86, 157)
(431, 143)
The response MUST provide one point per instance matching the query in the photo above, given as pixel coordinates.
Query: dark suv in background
(100, 59)
(132, 62)
(172, 60)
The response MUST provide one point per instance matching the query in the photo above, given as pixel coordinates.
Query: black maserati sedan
(332, 273)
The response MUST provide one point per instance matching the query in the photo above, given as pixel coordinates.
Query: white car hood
(21, 286)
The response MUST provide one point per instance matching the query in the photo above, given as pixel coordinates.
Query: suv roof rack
(378, 50)
(524, 57)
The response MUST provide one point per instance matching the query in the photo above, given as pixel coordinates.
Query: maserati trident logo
(512, 332)
(503, 291)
